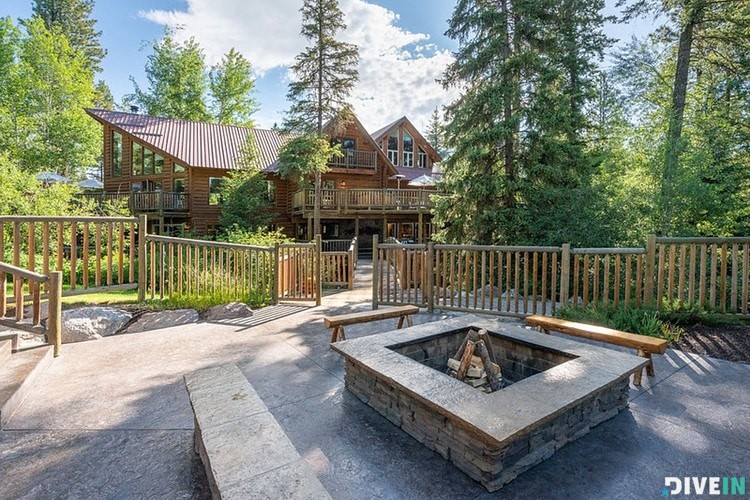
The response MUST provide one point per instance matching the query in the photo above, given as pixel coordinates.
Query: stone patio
(111, 418)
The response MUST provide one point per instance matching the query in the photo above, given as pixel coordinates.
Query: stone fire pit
(557, 390)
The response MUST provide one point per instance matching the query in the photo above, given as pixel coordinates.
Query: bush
(259, 237)
(643, 321)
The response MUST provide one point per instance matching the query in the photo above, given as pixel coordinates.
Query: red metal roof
(196, 144)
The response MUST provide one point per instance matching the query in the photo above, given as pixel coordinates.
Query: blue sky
(402, 46)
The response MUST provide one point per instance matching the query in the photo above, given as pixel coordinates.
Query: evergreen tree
(232, 85)
(435, 133)
(73, 19)
(325, 73)
(245, 204)
(177, 83)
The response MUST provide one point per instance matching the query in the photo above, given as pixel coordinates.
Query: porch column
(309, 228)
(356, 226)
(420, 229)
(385, 228)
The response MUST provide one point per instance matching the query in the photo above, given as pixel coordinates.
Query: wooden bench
(644, 345)
(338, 322)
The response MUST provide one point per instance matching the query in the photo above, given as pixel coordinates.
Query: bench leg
(335, 334)
(637, 376)
(400, 323)
(408, 321)
(341, 333)
(650, 365)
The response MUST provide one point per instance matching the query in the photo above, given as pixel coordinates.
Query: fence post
(54, 323)
(275, 292)
(648, 285)
(564, 275)
(142, 231)
(375, 266)
(430, 277)
(318, 269)
(351, 258)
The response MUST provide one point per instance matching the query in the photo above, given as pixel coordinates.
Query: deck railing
(340, 262)
(354, 158)
(28, 285)
(347, 200)
(711, 273)
(145, 201)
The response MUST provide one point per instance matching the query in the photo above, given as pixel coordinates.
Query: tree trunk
(318, 176)
(674, 146)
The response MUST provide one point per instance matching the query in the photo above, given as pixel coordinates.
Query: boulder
(163, 319)
(90, 323)
(233, 310)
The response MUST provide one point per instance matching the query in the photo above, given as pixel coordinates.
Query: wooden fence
(340, 262)
(92, 252)
(712, 273)
(299, 271)
(25, 281)
(179, 267)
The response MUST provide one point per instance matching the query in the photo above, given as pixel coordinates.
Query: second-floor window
(422, 160)
(393, 147)
(408, 150)
(271, 191)
(146, 162)
(116, 154)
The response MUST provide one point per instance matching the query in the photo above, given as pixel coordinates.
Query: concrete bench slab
(243, 448)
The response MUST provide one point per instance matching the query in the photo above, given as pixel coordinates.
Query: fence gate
(298, 272)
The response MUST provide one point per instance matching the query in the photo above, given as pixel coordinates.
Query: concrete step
(6, 349)
(18, 376)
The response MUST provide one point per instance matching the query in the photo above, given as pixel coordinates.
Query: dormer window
(408, 150)
(393, 147)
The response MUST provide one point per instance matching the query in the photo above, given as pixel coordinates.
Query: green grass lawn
(114, 297)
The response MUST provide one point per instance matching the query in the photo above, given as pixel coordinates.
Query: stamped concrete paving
(111, 418)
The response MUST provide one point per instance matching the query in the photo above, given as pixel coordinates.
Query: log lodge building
(172, 169)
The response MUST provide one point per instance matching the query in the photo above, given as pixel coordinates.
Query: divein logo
(703, 486)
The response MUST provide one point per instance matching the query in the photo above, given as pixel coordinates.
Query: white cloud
(398, 67)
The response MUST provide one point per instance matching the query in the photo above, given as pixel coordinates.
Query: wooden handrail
(53, 219)
(23, 273)
(207, 243)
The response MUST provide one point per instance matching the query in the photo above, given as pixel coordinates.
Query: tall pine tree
(325, 73)
(73, 19)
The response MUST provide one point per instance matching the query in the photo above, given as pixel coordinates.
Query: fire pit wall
(517, 360)
(493, 463)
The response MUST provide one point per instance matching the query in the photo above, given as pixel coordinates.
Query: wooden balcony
(350, 201)
(354, 159)
(145, 202)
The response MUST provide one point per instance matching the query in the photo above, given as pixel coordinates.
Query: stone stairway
(19, 372)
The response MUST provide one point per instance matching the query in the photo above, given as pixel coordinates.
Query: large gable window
(408, 150)
(146, 162)
(116, 154)
(214, 190)
(393, 147)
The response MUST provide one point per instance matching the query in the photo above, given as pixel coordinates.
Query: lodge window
(178, 169)
(214, 190)
(179, 185)
(393, 147)
(271, 191)
(348, 143)
(422, 160)
(116, 154)
(146, 162)
(408, 150)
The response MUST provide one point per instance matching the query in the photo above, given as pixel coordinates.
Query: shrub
(643, 321)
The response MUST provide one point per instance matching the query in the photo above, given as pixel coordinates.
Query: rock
(43, 310)
(163, 319)
(233, 310)
(89, 323)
